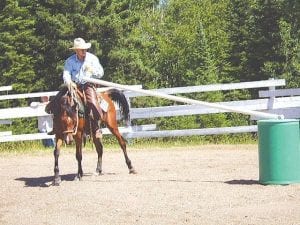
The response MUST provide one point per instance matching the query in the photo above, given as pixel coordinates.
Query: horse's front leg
(78, 140)
(99, 149)
(57, 179)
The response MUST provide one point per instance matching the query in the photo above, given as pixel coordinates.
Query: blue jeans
(48, 142)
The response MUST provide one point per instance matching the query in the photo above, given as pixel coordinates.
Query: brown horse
(72, 123)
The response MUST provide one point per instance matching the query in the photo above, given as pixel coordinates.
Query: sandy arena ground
(193, 185)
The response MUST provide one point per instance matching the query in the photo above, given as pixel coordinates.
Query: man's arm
(98, 71)
(67, 76)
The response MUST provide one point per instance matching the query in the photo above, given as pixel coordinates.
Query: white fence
(277, 101)
(287, 104)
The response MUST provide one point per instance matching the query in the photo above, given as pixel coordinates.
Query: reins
(77, 121)
(73, 93)
(75, 129)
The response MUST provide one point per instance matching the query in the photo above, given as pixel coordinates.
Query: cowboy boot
(92, 102)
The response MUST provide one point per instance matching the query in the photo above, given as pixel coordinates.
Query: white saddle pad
(104, 105)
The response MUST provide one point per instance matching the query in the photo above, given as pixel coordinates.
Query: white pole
(185, 100)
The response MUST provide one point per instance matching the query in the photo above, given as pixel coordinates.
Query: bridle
(74, 130)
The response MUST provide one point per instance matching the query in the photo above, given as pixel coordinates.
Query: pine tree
(18, 45)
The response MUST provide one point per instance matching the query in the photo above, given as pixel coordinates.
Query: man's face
(81, 53)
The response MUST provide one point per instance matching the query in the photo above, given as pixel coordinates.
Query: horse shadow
(44, 181)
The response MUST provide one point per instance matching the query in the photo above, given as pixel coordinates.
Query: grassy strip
(110, 144)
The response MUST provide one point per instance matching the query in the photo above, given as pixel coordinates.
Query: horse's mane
(54, 105)
(65, 105)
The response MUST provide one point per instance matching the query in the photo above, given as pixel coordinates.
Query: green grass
(110, 144)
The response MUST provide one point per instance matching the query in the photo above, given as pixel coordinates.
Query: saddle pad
(104, 105)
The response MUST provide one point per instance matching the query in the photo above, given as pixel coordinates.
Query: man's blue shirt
(75, 69)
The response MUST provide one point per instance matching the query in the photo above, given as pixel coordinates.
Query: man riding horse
(70, 117)
(77, 66)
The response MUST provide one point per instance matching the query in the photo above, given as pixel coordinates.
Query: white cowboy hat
(79, 43)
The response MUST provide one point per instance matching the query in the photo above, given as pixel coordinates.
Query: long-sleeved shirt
(75, 69)
(45, 123)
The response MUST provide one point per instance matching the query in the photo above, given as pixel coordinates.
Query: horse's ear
(48, 108)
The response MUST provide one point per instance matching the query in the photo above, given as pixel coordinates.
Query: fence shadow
(44, 181)
(242, 182)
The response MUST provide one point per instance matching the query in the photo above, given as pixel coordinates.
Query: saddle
(78, 97)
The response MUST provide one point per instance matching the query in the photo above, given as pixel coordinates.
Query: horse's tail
(118, 97)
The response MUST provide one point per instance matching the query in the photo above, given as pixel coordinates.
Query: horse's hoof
(78, 178)
(97, 173)
(132, 171)
(56, 181)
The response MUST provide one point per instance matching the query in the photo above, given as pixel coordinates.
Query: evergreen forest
(154, 43)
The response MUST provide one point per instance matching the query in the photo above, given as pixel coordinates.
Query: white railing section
(214, 87)
(6, 88)
(281, 104)
(185, 100)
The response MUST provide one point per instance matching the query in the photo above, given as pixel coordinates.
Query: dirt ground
(193, 185)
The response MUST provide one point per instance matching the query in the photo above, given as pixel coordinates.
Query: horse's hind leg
(99, 149)
(122, 143)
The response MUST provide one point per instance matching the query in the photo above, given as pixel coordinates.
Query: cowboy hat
(79, 43)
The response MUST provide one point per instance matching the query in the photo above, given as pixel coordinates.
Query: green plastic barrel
(279, 151)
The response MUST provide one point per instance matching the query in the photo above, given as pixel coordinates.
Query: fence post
(272, 97)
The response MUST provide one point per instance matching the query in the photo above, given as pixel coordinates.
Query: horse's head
(67, 118)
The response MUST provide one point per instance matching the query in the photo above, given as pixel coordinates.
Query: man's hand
(88, 70)
(71, 86)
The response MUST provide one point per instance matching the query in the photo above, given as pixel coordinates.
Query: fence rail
(180, 110)
(279, 92)
(287, 104)
(6, 88)
(215, 87)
